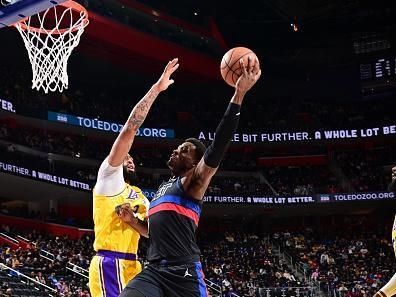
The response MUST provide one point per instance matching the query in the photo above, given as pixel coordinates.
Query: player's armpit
(199, 181)
(204, 172)
(110, 180)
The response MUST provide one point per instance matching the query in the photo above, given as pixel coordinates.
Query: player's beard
(130, 177)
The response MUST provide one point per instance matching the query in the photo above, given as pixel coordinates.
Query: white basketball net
(50, 49)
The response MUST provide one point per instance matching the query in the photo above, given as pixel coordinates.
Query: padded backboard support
(12, 11)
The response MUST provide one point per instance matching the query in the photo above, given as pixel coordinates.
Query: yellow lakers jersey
(111, 233)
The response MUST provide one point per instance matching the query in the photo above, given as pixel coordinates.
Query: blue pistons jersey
(173, 221)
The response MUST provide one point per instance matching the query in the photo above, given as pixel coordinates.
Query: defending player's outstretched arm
(196, 186)
(124, 141)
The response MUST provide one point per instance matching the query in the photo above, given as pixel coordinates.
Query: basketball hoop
(50, 38)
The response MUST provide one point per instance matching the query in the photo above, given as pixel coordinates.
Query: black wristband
(224, 132)
(233, 109)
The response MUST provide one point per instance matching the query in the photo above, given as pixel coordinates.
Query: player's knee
(128, 292)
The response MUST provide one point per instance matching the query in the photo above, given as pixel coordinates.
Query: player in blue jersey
(174, 268)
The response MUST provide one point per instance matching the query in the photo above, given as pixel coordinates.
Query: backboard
(12, 11)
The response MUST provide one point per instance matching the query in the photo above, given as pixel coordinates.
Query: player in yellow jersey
(119, 209)
(390, 288)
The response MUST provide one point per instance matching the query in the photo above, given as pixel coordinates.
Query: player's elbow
(128, 131)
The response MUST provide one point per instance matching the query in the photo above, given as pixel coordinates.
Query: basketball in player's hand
(230, 67)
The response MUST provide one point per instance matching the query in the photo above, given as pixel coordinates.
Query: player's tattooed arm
(140, 111)
(124, 141)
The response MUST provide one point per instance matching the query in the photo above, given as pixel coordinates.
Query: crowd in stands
(347, 258)
(51, 216)
(354, 260)
(55, 142)
(77, 172)
(237, 185)
(187, 112)
(245, 264)
(83, 146)
(302, 180)
(363, 169)
(242, 264)
(350, 256)
(49, 270)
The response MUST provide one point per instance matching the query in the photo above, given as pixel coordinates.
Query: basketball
(230, 68)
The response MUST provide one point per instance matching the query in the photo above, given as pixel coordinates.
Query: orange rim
(68, 4)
